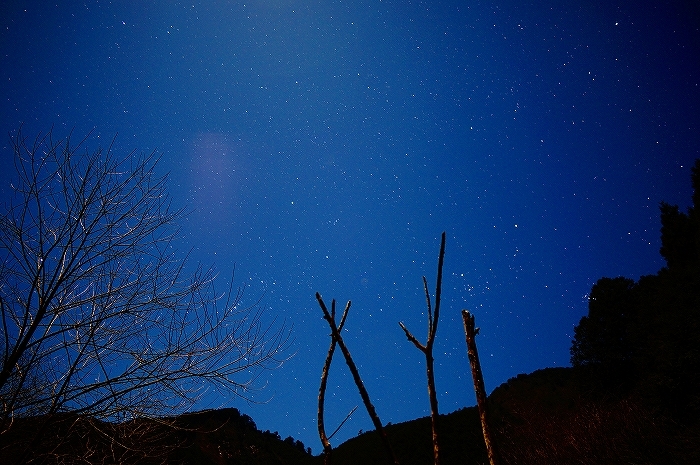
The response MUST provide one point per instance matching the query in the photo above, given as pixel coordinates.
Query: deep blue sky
(325, 145)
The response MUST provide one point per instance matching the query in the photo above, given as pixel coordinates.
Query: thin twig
(347, 417)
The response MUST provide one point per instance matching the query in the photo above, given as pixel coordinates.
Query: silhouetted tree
(678, 244)
(645, 334)
(680, 232)
(601, 337)
(97, 315)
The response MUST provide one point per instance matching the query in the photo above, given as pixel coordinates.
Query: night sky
(325, 145)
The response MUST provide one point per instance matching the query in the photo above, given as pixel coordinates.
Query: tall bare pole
(427, 349)
(471, 333)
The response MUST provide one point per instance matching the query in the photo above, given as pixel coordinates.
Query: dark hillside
(549, 416)
(462, 442)
(554, 415)
(214, 437)
(563, 416)
(228, 437)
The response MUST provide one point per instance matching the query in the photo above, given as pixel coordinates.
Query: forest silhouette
(642, 337)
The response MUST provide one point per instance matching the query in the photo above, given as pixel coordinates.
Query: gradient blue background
(325, 145)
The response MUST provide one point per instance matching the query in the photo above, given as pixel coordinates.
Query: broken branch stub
(470, 331)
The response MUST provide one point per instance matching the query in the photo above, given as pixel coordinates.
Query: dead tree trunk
(335, 333)
(427, 349)
(327, 448)
(471, 333)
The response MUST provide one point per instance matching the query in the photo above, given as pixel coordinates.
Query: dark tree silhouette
(97, 315)
(602, 338)
(678, 241)
(680, 232)
(644, 335)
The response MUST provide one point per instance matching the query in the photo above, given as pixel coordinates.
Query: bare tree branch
(427, 349)
(347, 417)
(412, 338)
(325, 440)
(99, 315)
(335, 334)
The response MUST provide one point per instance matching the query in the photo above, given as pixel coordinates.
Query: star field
(324, 147)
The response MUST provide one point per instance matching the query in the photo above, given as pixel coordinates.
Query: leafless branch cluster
(98, 316)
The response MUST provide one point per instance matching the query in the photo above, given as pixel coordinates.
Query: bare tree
(98, 315)
(427, 349)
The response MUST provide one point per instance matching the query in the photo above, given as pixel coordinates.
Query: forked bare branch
(325, 440)
(427, 349)
(335, 334)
